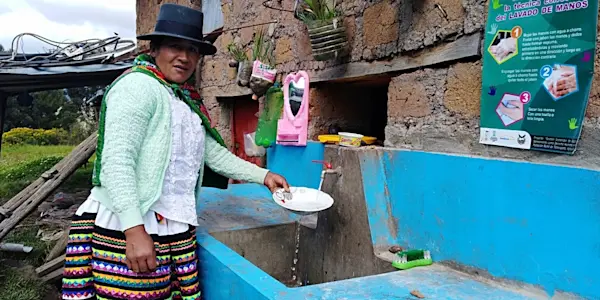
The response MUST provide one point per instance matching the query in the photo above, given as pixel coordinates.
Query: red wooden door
(244, 120)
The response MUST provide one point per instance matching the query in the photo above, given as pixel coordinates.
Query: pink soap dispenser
(292, 128)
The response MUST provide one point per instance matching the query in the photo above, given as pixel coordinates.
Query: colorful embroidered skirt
(95, 265)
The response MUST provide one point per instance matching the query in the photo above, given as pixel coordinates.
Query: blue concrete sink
(228, 275)
(504, 237)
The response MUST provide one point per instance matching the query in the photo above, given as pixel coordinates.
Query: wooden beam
(53, 276)
(59, 247)
(230, 90)
(11, 205)
(70, 164)
(50, 266)
(464, 47)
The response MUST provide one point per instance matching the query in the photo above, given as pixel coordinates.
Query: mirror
(296, 94)
(292, 128)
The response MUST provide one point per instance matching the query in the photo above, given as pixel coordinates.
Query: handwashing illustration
(561, 81)
(510, 109)
(504, 45)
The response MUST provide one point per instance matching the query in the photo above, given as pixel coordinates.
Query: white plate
(303, 199)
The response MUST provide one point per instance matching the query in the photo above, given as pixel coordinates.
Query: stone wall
(432, 108)
(376, 30)
(437, 109)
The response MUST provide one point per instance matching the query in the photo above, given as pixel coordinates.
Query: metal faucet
(337, 170)
(311, 220)
(327, 169)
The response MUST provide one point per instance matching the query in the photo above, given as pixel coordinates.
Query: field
(19, 166)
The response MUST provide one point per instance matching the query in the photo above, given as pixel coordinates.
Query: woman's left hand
(275, 181)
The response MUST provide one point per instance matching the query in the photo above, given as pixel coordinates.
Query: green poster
(538, 64)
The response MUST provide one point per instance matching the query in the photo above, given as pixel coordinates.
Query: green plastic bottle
(266, 130)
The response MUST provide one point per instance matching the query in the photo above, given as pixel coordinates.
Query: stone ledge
(464, 47)
(230, 90)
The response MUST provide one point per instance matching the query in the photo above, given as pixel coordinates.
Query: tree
(49, 109)
(42, 113)
(1, 48)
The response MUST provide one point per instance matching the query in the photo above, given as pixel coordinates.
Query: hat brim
(204, 47)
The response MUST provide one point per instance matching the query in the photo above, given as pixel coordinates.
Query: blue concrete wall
(226, 275)
(529, 222)
(241, 206)
(296, 163)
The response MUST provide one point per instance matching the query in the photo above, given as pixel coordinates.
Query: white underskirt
(108, 220)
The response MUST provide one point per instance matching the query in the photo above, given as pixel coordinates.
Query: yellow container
(335, 139)
(348, 139)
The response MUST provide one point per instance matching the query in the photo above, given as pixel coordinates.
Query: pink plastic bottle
(293, 130)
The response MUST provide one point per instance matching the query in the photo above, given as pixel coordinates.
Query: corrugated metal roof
(31, 79)
(213, 16)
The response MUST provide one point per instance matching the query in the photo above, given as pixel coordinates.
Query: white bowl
(348, 139)
(301, 199)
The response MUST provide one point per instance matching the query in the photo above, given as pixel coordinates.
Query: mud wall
(377, 30)
(437, 109)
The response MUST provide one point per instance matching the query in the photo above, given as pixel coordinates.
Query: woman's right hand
(139, 251)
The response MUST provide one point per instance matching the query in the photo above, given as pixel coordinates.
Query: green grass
(27, 235)
(19, 166)
(16, 154)
(20, 282)
(22, 285)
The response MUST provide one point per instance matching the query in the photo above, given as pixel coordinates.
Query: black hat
(182, 22)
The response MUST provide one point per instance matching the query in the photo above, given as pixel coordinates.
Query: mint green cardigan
(137, 147)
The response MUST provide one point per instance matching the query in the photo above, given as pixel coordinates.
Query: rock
(44, 207)
(417, 294)
(395, 249)
(62, 200)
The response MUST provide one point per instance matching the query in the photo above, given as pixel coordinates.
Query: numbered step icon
(516, 32)
(546, 71)
(525, 97)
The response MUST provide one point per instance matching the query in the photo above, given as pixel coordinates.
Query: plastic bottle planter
(244, 73)
(262, 78)
(327, 39)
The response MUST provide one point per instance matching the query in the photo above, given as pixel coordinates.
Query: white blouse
(177, 203)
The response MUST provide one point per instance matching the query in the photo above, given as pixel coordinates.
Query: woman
(133, 238)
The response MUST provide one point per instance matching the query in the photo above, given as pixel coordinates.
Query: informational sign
(538, 65)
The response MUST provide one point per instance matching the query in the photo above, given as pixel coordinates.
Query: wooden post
(3, 101)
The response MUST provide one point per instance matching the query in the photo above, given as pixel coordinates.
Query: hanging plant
(325, 28)
(263, 49)
(237, 54)
(263, 71)
(239, 59)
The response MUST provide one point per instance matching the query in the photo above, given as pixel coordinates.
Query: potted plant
(325, 28)
(263, 68)
(239, 59)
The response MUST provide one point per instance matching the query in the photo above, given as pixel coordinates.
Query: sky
(65, 20)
